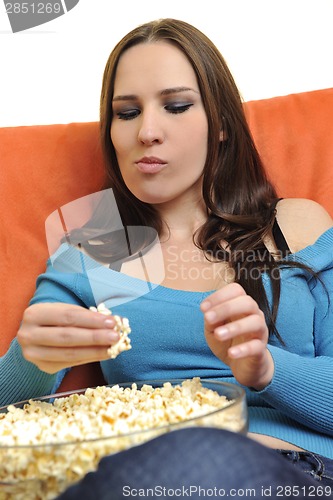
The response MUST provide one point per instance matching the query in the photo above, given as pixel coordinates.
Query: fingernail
(221, 332)
(113, 337)
(205, 305)
(210, 315)
(109, 322)
(235, 352)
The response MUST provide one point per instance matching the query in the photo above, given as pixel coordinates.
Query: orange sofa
(44, 167)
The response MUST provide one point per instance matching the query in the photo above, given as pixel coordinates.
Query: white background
(52, 73)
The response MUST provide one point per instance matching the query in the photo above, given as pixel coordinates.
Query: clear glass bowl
(61, 464)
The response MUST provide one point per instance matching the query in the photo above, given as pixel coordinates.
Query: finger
(222, 295)
(239, 306)
(252, 348)
(254, 325)
(54, 314)
(64, 336)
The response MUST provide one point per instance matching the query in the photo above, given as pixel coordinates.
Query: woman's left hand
(236, 332)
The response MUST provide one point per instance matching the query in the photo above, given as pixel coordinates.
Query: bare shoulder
(302, 221)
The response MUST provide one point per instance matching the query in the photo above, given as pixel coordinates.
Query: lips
(150, 165)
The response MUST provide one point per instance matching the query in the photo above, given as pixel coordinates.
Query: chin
(151, 198)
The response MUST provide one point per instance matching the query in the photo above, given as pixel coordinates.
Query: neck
(181, 222)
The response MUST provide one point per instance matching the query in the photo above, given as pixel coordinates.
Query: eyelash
(170, 108)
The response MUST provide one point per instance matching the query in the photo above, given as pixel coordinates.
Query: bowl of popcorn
(48, 444)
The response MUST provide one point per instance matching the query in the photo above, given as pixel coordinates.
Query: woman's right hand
(54, 336)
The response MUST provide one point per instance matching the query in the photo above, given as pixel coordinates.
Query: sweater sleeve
(21, 379)
(302, 387)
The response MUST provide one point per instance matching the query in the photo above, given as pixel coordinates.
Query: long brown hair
(239, 198)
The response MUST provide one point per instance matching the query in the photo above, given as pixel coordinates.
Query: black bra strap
(278, 236)
(280, 240)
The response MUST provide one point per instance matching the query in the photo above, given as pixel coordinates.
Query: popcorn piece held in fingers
(101, 308)
(122, 327)
(124, 342)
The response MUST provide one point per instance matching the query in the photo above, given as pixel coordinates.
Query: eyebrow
(173, 90)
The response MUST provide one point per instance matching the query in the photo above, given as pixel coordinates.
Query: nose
(150, 130)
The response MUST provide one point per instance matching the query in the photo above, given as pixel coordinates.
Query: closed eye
(177, 108)
(174, 108)
(129, 114)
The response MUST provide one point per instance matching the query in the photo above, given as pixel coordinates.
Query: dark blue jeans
(198, 463)
(316, 466)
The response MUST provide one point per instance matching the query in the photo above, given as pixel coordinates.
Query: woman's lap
(318, 467)
(199, 462)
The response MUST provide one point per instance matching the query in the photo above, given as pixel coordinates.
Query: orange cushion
(44, 167)
(294, 135)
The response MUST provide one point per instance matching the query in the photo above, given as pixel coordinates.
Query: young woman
(247, 281)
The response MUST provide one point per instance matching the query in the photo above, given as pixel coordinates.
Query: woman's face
(159, 128)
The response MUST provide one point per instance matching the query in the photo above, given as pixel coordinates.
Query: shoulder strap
(280, 240)
(278, 236)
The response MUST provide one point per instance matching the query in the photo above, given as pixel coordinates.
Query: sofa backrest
(294, 135)
(45, 167)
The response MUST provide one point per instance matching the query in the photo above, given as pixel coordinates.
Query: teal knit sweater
(168, 342)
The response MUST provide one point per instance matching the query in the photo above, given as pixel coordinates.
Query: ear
(222, 136)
